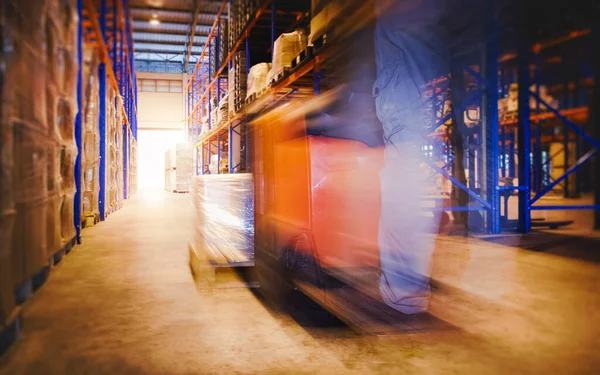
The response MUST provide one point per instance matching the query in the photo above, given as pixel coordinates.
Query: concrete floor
(124, 303)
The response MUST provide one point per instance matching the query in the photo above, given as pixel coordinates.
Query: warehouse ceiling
(162, 31)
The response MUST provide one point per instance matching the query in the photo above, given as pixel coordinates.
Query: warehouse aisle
(124, 303)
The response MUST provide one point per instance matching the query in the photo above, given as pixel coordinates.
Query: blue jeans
(410, 51)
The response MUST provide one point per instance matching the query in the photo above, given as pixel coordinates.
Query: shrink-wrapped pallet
(224, 217)
(257, 78)
(67, 213)
(184, 163)
(53, 223)
(287, 47)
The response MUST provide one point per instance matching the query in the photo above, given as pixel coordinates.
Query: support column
(595, 107)
(102, 117)
(524, 130)
(78, 123)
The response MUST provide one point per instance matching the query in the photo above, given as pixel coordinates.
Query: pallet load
(237, 83)
(114, 152)
(170, 169)
(7, 206)
(184, 153)
(25, 144)
(90, 160)
(224, 223)
(218, 48)
(287, 47)
(132, 181)
(63, 67)
(257, 78)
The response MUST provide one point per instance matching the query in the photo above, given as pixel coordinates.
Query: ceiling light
(154, 21)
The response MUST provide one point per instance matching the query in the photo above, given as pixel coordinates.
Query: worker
(416, 41)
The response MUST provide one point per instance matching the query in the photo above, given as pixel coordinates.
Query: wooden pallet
(10, 331)
(90, 220)
(256, 95)
(24, 291)
(281, 75)
(320, 43)
(302, 58)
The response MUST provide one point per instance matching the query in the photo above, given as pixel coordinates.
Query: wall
(160, 110)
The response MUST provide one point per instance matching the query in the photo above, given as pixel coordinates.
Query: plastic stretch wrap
(287, 47)
(67, 225)
(224, 217)
(236, 82)
(25, 39)
(184, 166)
(223, 113)
(257, 78)
(67, 169)
(54, 167)
(29, 254)
(53, 225)
(30, 168)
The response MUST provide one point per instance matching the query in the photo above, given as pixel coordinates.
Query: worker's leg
(403, 66)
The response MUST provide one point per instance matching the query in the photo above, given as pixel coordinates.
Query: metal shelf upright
(107, 25)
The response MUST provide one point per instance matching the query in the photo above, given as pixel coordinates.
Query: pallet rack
(106, 24)
(491, 145)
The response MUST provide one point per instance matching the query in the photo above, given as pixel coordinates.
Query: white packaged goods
(287, 47)
(324, 13)
(224, 217)
(184, 165)
(257, 78)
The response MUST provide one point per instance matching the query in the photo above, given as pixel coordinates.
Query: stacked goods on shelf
(218, 48)
(170, 168)
(114, 150)
(223, 111)
(62, 16)
(237, 83)
(257, 78)
(213, 112)
(7, 205)
(132, 182)
(287, 47)
(223, 40)
(28, 125)
(90, 160)
(184, 166)
(324, 12)
(217, 166)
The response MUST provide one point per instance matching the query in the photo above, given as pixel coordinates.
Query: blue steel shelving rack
(492, 149)
(201, 88)
(107, 25)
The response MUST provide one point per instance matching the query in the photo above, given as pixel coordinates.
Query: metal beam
(162, 42)
(190, 41)
(168, 28)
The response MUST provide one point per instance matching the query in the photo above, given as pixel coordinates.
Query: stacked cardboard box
(61, 31)
(40, 34)
(184, 166)
(90, 160)
(237, 83)
(114, 151)
(26, 126)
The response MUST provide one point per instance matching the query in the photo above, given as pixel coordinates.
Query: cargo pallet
(90, 220)
(24, 290)
(10, 331)
(220, 273)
